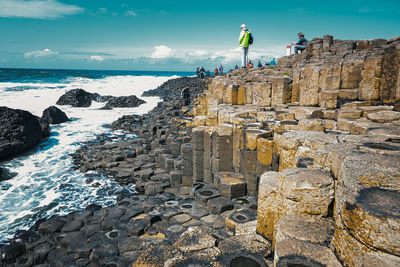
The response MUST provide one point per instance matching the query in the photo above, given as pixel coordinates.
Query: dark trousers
(186, 100)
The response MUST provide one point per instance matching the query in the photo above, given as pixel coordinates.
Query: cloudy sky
(175, 35)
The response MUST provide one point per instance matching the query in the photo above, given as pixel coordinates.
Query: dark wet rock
(71, 226)
(116, 235)
(136, 227)
(52, 225)
(123, 102)
(40, 252)
(72, 237)
(90, 229)
(161, 226)
(173, 232)
(19, 131)
(199, 211)
(130, 213)
(106, 253)
(153, 216)
(130, 244)
(113, 218)
(101, 98)
(219, 205)
(10, 252)
(26, 236)
(170, 212)
(76, 98)
(151, 203)
(93, 207)
(54, 115)
(174, 87)
(82, 262)
(25, 260)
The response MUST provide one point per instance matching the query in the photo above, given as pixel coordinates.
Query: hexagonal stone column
(293, 191)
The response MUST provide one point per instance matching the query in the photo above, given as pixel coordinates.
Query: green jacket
(244, 38)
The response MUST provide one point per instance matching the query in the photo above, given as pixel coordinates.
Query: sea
(42, 182)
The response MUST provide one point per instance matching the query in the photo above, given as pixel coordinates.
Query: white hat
(243, 26)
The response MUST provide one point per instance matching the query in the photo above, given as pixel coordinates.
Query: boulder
(76, 98)
(123, 102)
(293, 191)
(19, 131)
(54, 115)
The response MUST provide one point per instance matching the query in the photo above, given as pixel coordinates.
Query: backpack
(251, 39)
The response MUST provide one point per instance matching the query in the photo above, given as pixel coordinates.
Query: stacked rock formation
(293, 165)
(318, 135)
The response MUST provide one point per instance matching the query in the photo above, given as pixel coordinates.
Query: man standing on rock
(244, 44)
(185, 95)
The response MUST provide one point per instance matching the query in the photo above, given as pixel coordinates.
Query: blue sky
(175, 35)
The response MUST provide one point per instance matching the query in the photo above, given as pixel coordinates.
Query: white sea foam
(45, 183)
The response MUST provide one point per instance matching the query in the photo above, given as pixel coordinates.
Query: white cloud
(97, 58)
(36, 9)
(198, 53)
(228, 55)
(131, 13)
(40, 53)
(162, 51)
(102, 10)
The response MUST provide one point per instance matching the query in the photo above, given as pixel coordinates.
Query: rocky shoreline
(162, 218)
(293, 165)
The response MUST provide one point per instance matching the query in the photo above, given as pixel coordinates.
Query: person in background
(273, 62)
(244, 44)
(259, 65)
(266, 63)
(301, 44)
(215, 71)
(250, 65)
(185, 95)
(198, 71)
(221, 69)
(202, 71)
(236, 67)
(207, 73)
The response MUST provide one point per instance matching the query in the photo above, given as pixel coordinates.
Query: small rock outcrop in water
(54, 115)
(19, 131)
(81, 98)
(172, 88)
(123, 102)
(76, 98)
